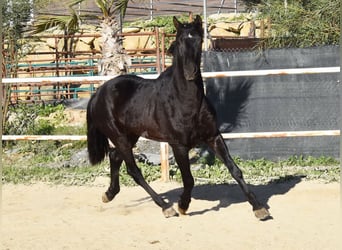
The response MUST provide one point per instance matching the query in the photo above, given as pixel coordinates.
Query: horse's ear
(198, 20)
(176, 23)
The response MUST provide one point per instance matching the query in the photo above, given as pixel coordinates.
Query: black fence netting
(276, 102)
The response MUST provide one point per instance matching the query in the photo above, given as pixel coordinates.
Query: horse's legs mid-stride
(123, 152)
(217, 144)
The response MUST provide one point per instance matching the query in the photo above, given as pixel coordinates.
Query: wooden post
(163, 67)
(269, 27)
(191, 16)
(156, 34)
(164, 156)
(262, 28)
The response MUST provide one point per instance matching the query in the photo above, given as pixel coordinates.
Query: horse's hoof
(169, 212)
(105, 198)
(262, 214)
(183, 207)
(182, 210)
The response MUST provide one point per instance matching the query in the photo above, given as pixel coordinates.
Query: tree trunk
(114, 60)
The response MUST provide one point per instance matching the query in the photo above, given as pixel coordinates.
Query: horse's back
(119, 90)
(123, 85)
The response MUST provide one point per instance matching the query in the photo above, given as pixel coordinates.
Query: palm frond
(47, 22)
(121, 6)
(75, 2)
(103, 6)
(69, 23)
(74, 21)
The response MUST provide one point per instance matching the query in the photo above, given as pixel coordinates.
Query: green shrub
(302, 23)
(29, 119)
(42, 127)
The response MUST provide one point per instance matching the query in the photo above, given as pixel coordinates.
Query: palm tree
(114, 59)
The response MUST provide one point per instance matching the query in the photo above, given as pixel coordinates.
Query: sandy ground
(306, 215)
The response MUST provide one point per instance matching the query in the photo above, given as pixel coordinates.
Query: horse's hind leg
(221, 150)
(182, 158)
(114, 187)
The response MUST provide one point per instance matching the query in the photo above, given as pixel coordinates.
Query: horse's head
(187, 48)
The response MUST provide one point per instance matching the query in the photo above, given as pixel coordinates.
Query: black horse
(171, 108)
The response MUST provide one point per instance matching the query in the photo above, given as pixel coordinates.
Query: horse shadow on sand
(228, 194)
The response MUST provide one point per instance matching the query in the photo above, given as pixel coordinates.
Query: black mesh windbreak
(276, 102)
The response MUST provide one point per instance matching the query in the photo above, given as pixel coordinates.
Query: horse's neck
(185, 88)
(179, 65)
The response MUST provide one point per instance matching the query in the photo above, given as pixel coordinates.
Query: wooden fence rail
(247, 135)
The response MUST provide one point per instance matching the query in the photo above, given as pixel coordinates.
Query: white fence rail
(218, 74)
(279, 72)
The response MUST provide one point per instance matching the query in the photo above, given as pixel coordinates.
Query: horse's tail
(98, 145)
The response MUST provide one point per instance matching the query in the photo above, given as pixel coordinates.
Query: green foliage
(66, 176)
(302, 23)
(20, 119)
(70, 130)
(24, 119)
(164, 22)
(48, 109)
(43, 127)
(259, 171)
(310, 161)
(15, 14)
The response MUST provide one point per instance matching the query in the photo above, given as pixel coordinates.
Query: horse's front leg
(182, 158)
(221, 150)
(114, 187)
(134, 171)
